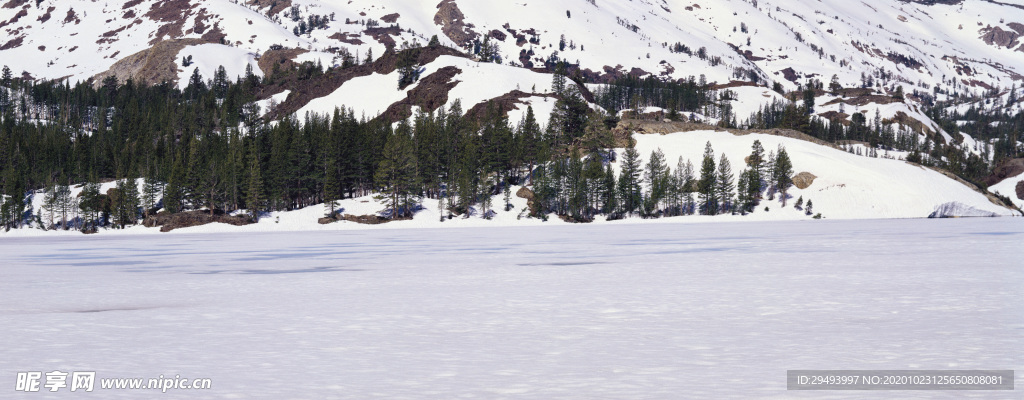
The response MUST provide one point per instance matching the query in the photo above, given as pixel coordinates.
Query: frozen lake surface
(660, 311)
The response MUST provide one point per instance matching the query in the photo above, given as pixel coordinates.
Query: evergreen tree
(757, 165)
(253, 199)
(725, 186)
(707, 183)
(783, 173)
(810, 207)
(125, 202)
(397, 174)
(90, 205)
(609, 200)
(630, 196)
(656, 176)
(150, 195)
(688, 184)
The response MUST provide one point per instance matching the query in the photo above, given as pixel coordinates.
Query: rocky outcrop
(803, 180)
(150, 66)
(169, 222)
(452, 23)
(1006, 169)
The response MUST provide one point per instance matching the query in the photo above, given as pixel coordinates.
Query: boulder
(803, 180)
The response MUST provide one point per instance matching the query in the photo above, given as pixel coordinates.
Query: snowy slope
(1008, 188)
(847, 185)
(476, 83)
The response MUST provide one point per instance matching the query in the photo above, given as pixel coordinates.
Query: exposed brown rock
(305, 91)
(349, 38)
(836, 116)
(72, 17)
(14, 3)
(429, 94)
(282, 57)
(169, 222)
(384, 35)
(1007, 169)
(452, 23)
(502, 104)
(46, 17)
(16, 42)
(998, 37)
(390, 18)
(1020, 190)
(279, 5)
(171, 14)
(17, 16)
(790, 74)
(151, 66)
(370, 219)
(803, 180)
(917, 126)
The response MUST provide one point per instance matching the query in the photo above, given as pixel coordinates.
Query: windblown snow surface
(666, 311)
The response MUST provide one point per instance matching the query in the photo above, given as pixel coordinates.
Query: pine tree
(6, 76)
(609, 200)
(743, 191)
(66, 204)
(629, 182)
(725, 186)
(253, 199)
(757, 165)
(810, 207)
(397, 174)
(90, 205)
(50, 203)
(783, 173)
(688, 182)
(126, 202)
(656, 176)
(150, 195)
(706, 184)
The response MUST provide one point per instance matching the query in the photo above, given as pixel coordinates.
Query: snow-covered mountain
(965, 46)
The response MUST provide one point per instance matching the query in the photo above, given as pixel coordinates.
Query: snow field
(616, 311)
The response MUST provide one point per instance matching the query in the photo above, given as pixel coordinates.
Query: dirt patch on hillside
(278, 5)
(384, 35)
(917, 126)
(169, 222)
(429, 94)
(305, 91)
(390, 18)
(836, 116)
(371, 219)
(151, 66)
(452, 23)
(998, 37)
(282, 58)
(72, 17)
(1007, 169)
(864, 100)
(172, 14)
(803, 180)
(1020, 190)
(502, 104)
(349, 38)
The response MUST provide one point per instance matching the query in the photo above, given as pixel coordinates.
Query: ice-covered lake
(662, 311)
